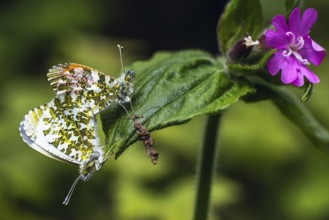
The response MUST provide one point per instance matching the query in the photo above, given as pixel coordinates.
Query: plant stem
(206, 167)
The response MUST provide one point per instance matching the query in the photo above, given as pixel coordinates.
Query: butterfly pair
(65, 129)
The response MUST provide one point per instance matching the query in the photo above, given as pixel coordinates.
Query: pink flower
(295, 48)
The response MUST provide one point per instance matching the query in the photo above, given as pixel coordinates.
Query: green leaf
(240, 18)
(291, 4)
(294, 110)
(171, 89)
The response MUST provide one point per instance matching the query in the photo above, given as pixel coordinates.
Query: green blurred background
(267, 168)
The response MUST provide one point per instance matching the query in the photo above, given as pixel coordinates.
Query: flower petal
(316, 46)
(294, 21)
(312, 77)
(309, 18)
(276, 40)
(312, 51)
(299, 81)
(280, 24)
(289, 70)
(274, 65)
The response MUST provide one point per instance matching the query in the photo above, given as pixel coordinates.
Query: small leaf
(294, 110)
(308, 92)
(246, 70)
(171, 89)
(240, 18)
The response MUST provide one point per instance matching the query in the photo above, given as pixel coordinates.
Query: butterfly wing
(52, 130)
(65, 128)
(77, 115)
(32, 131)
(98, 89)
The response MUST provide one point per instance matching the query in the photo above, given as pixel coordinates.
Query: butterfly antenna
(123, 69)
(124, 108)
(68, 197)
(121, 56)
(131, 106)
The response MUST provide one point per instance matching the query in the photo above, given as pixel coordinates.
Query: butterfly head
(126, 86)
(93, 163)
(87, 168)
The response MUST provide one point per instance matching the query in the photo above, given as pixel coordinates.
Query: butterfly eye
(129, 75)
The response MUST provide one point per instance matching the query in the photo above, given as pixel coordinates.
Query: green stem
(206, 167)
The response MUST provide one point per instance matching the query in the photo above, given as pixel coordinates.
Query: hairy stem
(206, 167)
